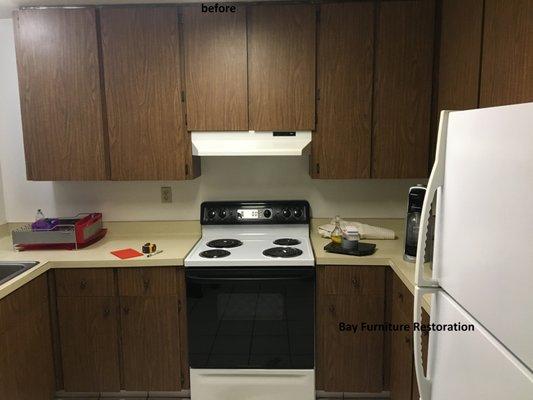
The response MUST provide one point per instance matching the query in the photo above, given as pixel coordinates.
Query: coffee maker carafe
(412, 224)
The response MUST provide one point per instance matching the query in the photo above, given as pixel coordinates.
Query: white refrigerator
(482, 272)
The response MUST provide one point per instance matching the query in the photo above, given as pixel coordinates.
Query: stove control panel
(255, 212)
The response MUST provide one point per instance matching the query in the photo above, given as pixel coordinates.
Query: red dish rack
(72, 233)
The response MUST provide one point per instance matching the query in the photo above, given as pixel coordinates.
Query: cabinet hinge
(318, 94)
(318, 168)
(186, 169)
(179, 306)
(183, 96)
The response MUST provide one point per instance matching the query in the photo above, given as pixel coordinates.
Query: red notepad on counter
(126, 253)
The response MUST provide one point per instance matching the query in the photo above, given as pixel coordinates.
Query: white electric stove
(250, 302)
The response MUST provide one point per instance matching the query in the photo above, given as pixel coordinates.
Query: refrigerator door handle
(436, 180)
(424, 382)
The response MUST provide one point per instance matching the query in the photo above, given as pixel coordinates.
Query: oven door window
(257, 318)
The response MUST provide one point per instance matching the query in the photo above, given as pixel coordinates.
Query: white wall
(222, 178)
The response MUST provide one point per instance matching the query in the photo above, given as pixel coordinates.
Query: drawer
(402, 298)
(85, 282)
(346, 280)
(153, 281)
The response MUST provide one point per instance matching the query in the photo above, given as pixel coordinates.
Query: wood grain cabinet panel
(147, 134)
(151, 281)
(348, 361)
(281, 67)
(85, 282)
(341, 144)
(402, 89)
(60, 96)
(215, 69)
(26, 361)
(89, 343)
(151, 343)
(506, 73)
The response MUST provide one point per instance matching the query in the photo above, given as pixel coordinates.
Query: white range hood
(250, 143)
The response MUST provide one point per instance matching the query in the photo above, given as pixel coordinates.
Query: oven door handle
(252, 279)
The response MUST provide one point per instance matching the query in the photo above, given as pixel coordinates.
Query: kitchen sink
(8, 269)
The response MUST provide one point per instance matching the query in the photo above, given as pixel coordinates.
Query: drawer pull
(400, 296)
(332, 309)
(107, 312)
(126, 310)
(408, 340)
(146, 284)
(83, 284)
(355, 283)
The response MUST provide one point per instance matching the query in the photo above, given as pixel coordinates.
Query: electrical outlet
(166, 194)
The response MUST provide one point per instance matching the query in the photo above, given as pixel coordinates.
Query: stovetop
(253, 245)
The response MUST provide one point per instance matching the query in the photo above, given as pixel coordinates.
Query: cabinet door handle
(400, 296)
(146, 284)
(355, 283)
(407, 340)
(107, 312)
(83, 284)
(126, 310)
(332, 309)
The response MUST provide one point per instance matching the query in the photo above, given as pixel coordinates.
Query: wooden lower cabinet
(120, 329)
(89, 343)
(348, 361)
(26, 361)
(150, 343)
(403, 385)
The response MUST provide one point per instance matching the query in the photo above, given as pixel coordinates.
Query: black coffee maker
(412, 224)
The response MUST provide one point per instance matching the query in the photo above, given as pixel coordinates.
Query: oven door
(251, 317)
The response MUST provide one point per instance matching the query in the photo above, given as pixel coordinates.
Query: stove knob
(222, 213)
(298, 212)
(211, 214)
(286, 213)
(267, 213)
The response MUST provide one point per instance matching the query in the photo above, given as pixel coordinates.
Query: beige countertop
(388, 252)
(176, 239)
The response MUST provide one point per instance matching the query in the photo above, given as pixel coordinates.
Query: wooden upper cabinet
(506, 73)
(60, 97)
(215, 69)
(402, 89)
(281, 67)
(146, 123)
(341, 143)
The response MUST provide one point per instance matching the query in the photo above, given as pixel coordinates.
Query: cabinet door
(215, 69)
(341, 143)
(281, 67)
(402, 89)
(506, 76)
(26, 362)
(89, 343)
(60, 98)
(459, 59)
(348, 361)
(147, 134)
(150, 343)
(401, 364)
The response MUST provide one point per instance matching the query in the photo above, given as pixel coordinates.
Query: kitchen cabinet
(215, 69)
(341, 144)
(26, 361)
(348, 361)
(459, 59)
(507, 54)
(88, 329)
(281, 67)
(402, 89)
(143, 93)
(403, 385)
(151, 305)
(60, 94)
